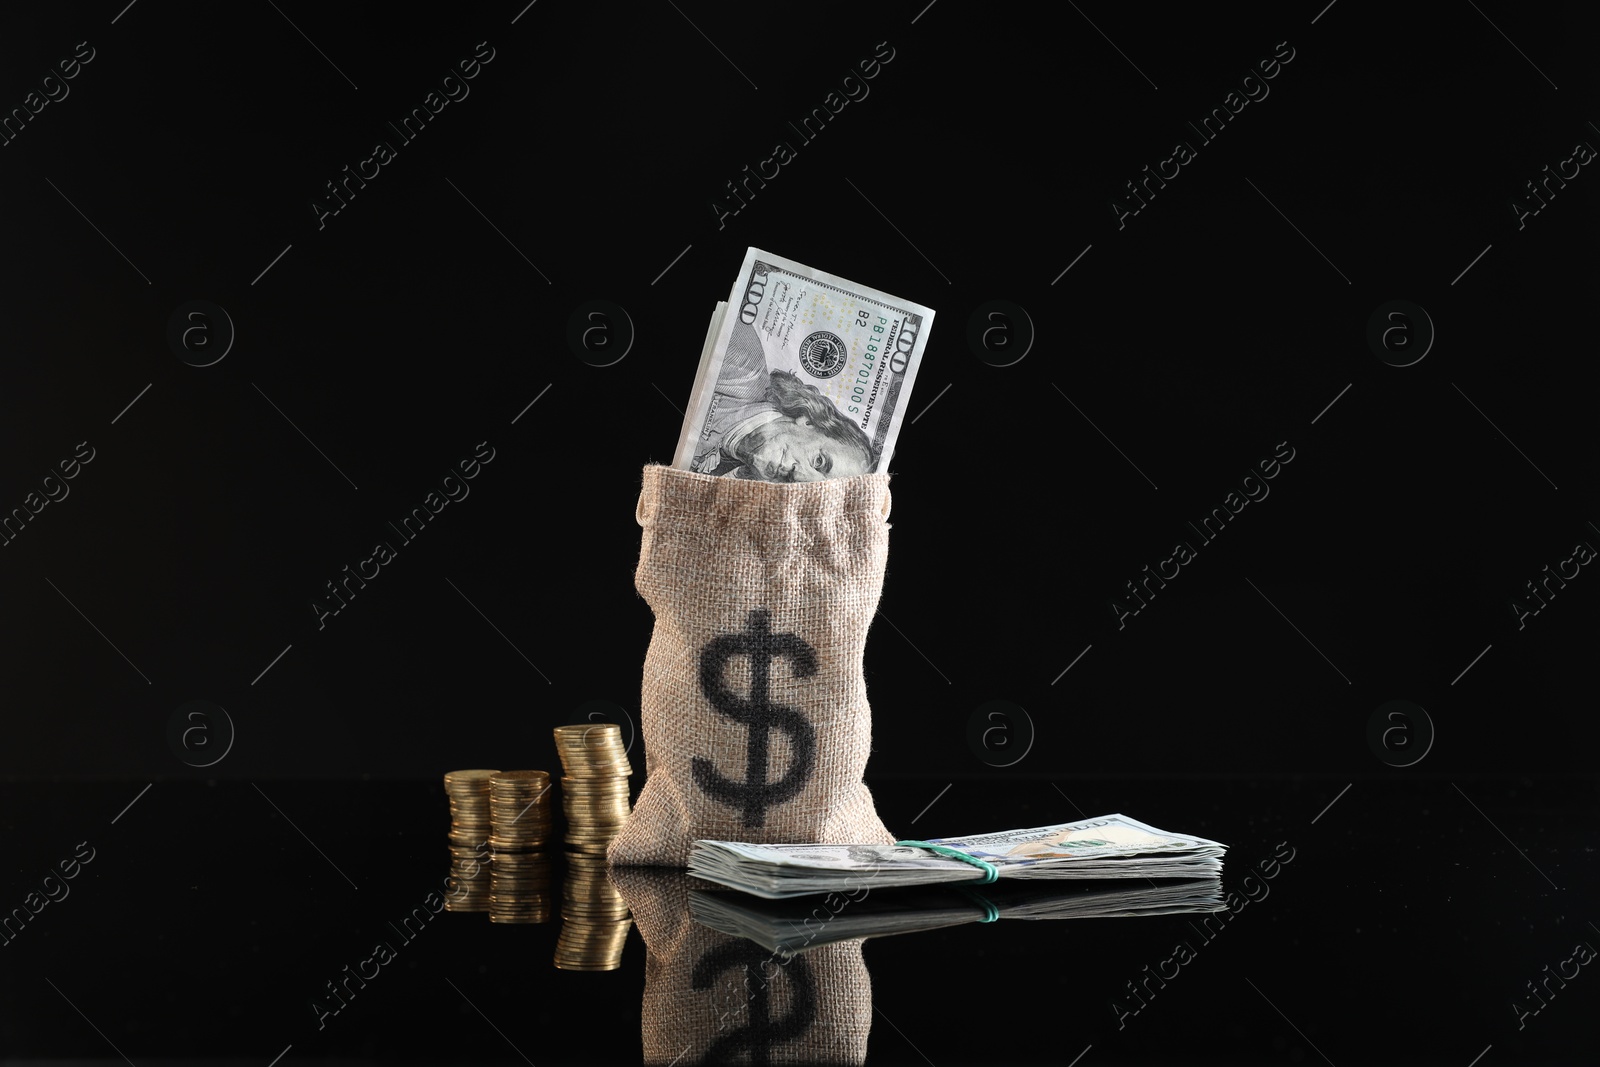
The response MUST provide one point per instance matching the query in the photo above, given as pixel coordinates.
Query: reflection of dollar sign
(759, 715)
(761, 1032)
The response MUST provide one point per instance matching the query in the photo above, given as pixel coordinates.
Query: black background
(1176, 352)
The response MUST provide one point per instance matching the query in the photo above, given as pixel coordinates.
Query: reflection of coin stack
(594, 916)
(594, 789)
(519, 888)
(470, 824)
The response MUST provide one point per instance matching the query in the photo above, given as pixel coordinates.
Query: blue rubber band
(991, 872)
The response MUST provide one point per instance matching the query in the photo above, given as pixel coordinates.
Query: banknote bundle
(1111, 846)
(798, 925)
(806, 378)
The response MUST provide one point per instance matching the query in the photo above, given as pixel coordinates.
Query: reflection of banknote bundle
(800, 925)
(762, 558)
(807, 378)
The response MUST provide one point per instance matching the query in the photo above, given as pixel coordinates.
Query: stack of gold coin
(593, 750)
(520, 887)
(595, 918)
(470, 819)
(470, 824)
(519, 810)
(594, 789)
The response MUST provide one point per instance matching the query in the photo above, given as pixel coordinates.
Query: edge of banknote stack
(1111, 846)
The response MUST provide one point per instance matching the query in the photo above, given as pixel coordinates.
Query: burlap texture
(754, 706)
(713, 998)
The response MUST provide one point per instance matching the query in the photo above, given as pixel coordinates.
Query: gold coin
(507, 777)
(577, 732)
(473, 780)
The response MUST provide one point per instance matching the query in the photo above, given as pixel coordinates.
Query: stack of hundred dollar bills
(1112, 846)
(803, 376)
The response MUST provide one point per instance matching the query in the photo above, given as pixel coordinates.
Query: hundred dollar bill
(804, 376)
(1111, 846)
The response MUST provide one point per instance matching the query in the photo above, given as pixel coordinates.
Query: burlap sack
(754, 708)
(710, 997)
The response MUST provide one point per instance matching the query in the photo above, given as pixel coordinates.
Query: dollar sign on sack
(761, 1031)
(759, 715)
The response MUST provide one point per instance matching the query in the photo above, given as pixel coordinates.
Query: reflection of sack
(712, 998)
(754, 707)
